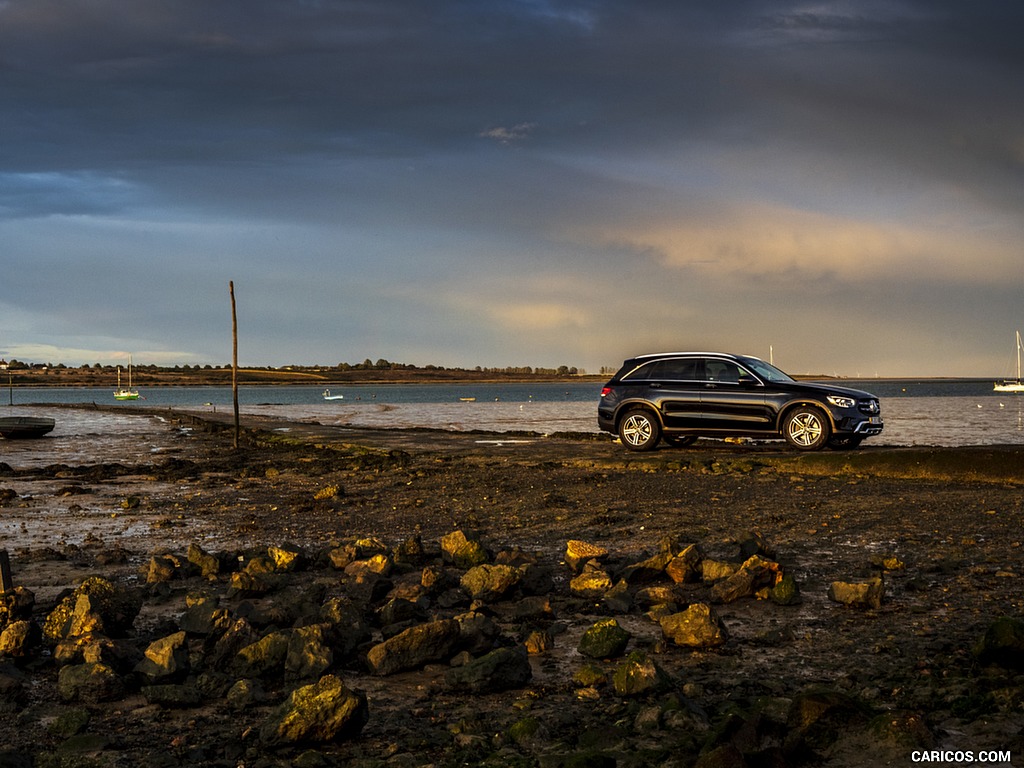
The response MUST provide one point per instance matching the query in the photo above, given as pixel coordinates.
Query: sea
(917, 412)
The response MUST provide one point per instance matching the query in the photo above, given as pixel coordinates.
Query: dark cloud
(370, 165)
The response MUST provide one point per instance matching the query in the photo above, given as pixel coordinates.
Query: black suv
(681, 396)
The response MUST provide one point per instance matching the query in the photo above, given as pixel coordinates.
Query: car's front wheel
(806, 428)
(639, 430)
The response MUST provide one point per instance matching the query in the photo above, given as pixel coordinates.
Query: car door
(732, 398)
(675, 386)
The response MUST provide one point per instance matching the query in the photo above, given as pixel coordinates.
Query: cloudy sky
(513, 182)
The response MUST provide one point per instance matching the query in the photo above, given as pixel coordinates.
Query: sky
(463, 183)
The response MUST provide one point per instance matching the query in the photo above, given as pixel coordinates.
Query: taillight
(605, 391)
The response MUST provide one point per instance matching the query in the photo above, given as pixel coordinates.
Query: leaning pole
(234, 358)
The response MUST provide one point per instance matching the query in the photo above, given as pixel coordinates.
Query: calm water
(917, 412)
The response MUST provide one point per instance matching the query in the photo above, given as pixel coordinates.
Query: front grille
(869, 407)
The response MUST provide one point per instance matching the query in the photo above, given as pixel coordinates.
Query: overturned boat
(25, 427)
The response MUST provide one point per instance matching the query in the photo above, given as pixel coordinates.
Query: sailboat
(125, 393)
(1012, 385)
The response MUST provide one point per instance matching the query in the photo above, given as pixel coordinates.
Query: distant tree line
(366, 365)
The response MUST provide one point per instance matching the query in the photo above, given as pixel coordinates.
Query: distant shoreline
(260, 378)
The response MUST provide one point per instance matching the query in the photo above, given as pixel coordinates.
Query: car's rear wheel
(639, 430)
(679, 441)
(806, 428)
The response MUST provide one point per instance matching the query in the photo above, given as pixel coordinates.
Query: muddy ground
(951, 517)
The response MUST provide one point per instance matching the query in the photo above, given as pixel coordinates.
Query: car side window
(678, 370)
(721, 371)
(641, 373)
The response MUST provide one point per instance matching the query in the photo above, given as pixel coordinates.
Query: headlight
(842, 402)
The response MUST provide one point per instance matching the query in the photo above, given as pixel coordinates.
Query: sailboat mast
(1018, 356)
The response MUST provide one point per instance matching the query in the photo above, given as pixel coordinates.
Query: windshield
(765, 371)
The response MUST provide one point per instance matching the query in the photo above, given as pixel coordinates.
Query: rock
(248, 584)
(859, 594)
(410, 552)
(659, 594)
(888, 562)
(287, 559)
(715, 570)
(752, 543)
(653, 568)
(537, 580)
(343, 555)
(370, 546)
(96, 605)
(208, 565)
(264, 657)
(500, 670)
(399, 610)
(320, 713)
(530, 608)
(539, 641)
(755, 573)
(18, 639)
(785, 592)
(226, 647)
(416, 646)
(604, 640)
(245, 694)
(592, 583)
(380, 564)
(590, 676)
(1002, 643)
(166, 659)
(696, 627)
(90, 683)
(367, 586)
(618, 599)
(119, 654)
(308, 654)
(163, 568)
(16, 605)
(579, 553)
(477, 632)
(685, 566)
(13, 690)
(203, 616)
(463, 551)
(638, 675)
(487, 583)
(348, 629)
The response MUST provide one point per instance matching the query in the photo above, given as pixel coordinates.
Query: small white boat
(1012, 385)
(125, 393)
(329, 396)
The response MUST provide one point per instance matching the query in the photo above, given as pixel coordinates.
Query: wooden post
(6, 580)
(234, 358)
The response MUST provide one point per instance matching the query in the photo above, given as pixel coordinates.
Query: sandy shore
(951, 519)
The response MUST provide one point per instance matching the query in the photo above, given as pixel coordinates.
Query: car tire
(806, 428)
(639, 430)
(679, 441)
